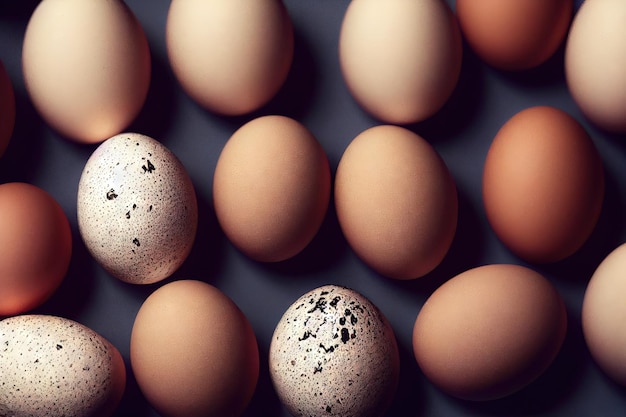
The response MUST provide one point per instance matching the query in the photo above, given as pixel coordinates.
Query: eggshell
(193, 352)
(53, 366)
(489, 331)
(543, 184)
(603, 315)
(400, 59)
(137, 209)
(35, 247)
(396, 202)
(595, 58)
(230, 56)
(514, 35)
(7, 109)
(87, 67)
(271, 188)
(333, 353)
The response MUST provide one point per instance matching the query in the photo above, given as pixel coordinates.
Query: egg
(230, 56)
(137, 210)
(603, 313)
(53, 366)
(543, 184)
(489, 331)
(514, 35)
(401, 60)
(333, 353)
(35, 247)
(271, 188)
(595, 56)
(86, 66)
(396, 202)
(193, 352)
(7, 109)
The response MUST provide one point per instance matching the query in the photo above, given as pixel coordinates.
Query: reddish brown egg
(514, 34)
(543, 184)
(35, 247)
(489, 331)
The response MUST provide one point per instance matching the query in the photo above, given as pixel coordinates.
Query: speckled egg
(334, 353)
(137, 209)
(53, 366)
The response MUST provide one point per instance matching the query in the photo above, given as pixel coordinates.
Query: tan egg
(603, 315)
(53, 366)
(514, 35)
(333, 353)
(271, 188)
(396, 202)
(193, 352)
(137, 210)
(400, 59)
(489, 331)
(230, 56)
(543, 184)
(86, 65)
(35, 247)
(595, 58)
(7, 109)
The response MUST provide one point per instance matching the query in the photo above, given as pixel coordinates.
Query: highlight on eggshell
(7, 109)
(227, 61)
(53, 366)
(401, 60)
(136, 208)
(35, 247)
(86, 66)
(333, 353)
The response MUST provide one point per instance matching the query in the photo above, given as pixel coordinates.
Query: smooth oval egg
(53, 366)
(230, 56)
(514, 35)
(333, 353)
(271, 188)
(35, 247)
(604, 312)
(401, 60)
(595, 58)
(489, 331)
(543, 184)
(86, 66)
(193, 352)
(396, 202)
(7, 109)
(137, 210)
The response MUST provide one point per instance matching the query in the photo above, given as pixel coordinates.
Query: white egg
(137, 209)
(53, 366)
(333, 353)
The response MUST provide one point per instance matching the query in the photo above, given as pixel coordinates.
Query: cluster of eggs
(333, 352)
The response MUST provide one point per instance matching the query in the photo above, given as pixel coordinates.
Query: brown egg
(489, 331)
(543, 184)
(35, 247)
(271, 188)
(7, 108)
(193, 352)
(396, 202)
(514, 34)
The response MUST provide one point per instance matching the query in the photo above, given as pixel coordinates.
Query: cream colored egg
(271, 188)
(400, 59)
(396, 202)
(333, 353)
(230, 56)
(53, 366)
(137, 209)
(87, 66)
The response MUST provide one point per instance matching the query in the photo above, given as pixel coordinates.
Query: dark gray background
(315, 94)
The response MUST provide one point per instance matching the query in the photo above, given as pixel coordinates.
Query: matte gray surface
(315, 94)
